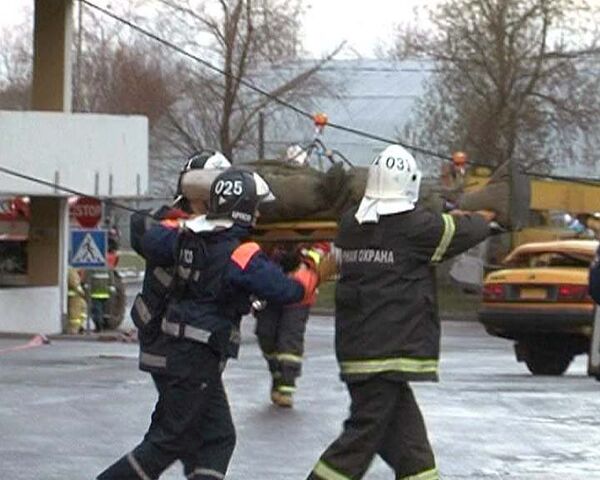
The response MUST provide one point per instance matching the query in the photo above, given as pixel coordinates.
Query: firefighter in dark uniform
(280, 329)
(149, 305)
(151, 302)
(387, 328)
(215, 274)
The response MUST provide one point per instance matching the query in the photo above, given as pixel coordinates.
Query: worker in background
(280, 329)
(453, 178)
(77, 305)
(100, 284)
(216, 272)
(386, 324)
(112, 252)
(106, 294)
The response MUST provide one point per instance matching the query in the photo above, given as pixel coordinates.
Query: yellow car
(540, 300)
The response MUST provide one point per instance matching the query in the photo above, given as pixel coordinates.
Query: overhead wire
(57, 186)
(261, 91)
(298, 110)
(257, 89)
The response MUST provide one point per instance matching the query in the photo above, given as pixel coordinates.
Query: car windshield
(550, 259)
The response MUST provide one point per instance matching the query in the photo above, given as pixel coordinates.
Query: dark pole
(78, 59)
(261, 136)
(520, 198)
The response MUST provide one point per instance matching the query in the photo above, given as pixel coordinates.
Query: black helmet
(202, 159)
(235, 194)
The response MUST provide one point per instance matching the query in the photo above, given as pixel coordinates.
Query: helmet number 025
(392, 162)
(229, 187)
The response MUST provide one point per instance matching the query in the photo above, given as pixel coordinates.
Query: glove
(320, 258)
(322, 247)
(309, 279)
(316, 253)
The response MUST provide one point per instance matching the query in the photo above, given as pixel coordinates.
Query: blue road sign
(88, 248)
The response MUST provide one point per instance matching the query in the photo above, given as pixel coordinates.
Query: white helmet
(392, 187)
(295, 154)
(197, 174)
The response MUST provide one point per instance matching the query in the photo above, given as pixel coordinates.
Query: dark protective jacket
(595, 278)
(386, 311)
(149, 305)
(215, 275)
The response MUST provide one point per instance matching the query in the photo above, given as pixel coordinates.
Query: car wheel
(546, 362)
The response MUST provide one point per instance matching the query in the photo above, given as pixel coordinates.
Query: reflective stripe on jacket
(100, 283)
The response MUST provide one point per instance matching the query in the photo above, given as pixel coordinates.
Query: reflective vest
(386, 312)
(100, 282)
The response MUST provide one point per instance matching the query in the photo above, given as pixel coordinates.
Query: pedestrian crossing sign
(88, 248)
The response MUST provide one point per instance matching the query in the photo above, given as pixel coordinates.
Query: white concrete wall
(77, 146)
(31, 310)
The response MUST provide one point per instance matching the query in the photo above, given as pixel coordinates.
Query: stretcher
(296, 231)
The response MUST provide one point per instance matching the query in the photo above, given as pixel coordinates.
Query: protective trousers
(191, 422)
(280, 331)
(384, 419)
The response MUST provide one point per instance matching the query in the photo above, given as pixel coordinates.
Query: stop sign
(86, 211)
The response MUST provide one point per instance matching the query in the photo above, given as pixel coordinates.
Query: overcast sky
(327, 22)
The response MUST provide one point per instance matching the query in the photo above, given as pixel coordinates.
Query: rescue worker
(150, 304)
(107, 301)
(77, 306)
(280, 329)
(101, 288)
(386, 323)
(216, 272)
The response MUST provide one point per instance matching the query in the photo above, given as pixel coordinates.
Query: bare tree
(115, 72)
(247, 40)
(15, 67)
(514, 79)
(119, 73)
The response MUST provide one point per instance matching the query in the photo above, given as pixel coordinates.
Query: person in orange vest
(280, 329)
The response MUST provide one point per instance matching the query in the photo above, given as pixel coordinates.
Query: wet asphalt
(70, 408)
